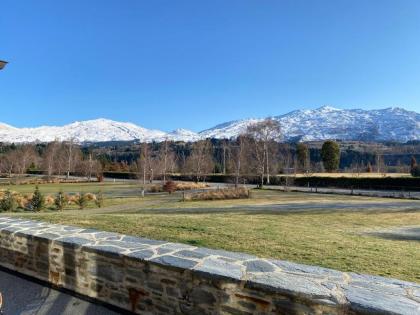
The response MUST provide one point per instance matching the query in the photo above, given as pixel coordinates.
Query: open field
(349, 233)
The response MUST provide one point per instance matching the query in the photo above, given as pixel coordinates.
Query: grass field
(328, 230)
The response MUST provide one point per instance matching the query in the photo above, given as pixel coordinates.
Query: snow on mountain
(97, 130)
(332, 123)
(326, 122)
(229, 129)
(183, 135)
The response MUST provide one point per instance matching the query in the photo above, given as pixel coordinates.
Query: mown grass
(331, 236)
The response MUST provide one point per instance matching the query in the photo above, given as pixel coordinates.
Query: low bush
(38, 200)
(169, 187)
(81, 200)
(415, 171)
(190, 186)
(60, 200)
(155, 188)
(8, 202)
(219, 194)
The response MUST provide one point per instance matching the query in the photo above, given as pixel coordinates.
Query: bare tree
(69, 151)
(236, 151)
(26, 155)
(8, 162)
(263, 134)
(50, 158)
(224, 151)
(200, 161)
(143, 162)
(165, 160)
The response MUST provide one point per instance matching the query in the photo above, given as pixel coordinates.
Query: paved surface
(24, 297)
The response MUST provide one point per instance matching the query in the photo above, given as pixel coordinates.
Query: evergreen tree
(302, 154)
(38, 200)
(330, 154)
(8, 202)
(82, 200)
(60, 200)
(413, 163)
(369, 168)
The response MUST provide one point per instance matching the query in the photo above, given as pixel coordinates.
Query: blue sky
(193, 64)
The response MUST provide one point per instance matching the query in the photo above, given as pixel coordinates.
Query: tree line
(260, 150)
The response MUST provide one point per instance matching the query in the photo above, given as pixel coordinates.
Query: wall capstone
(157, 277)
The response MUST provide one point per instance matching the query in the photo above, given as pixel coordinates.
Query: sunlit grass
(331, 237)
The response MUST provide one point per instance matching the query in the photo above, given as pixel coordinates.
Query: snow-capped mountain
(97, 130)
(183, 135)
(326, 122)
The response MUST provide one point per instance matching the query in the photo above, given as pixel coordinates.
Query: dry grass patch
(219, 194)
(190, 186)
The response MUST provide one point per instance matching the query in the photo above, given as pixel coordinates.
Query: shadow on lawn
(402, 234)
(282, 209)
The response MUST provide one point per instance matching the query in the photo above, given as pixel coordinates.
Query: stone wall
(156, 277)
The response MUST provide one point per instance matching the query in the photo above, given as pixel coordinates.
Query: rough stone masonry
(156, 277)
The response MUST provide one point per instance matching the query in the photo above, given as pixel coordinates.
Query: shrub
(155, 188)
(38, 200)
(169, 187)
(219, 194)
(8, 202)
(190, 186)
(385, 183)
(60, 200)
(49, 200)
(99, 201)
(415, 171)
(82, 200)
(90, 197)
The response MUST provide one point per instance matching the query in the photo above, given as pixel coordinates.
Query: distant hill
(390, 124)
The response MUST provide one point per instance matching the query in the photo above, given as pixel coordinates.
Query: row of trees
(258, 151)
(55, 158)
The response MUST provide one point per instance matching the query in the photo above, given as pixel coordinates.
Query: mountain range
(389, 124)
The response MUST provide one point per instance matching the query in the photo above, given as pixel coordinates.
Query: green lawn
(327, 230)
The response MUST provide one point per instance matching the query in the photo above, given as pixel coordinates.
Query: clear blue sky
(193, 64)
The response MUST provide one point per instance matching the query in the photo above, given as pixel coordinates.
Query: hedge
(383, 183)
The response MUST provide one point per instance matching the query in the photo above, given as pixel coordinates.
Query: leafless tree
(26, 155)
(263, 134)
(200, 161)
(165, 160)
(8, 162)
(50, 158)
(143, 162)
(225, 146)
(69, 149)
(237, 154)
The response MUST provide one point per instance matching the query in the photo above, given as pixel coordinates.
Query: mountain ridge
(326, 122)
